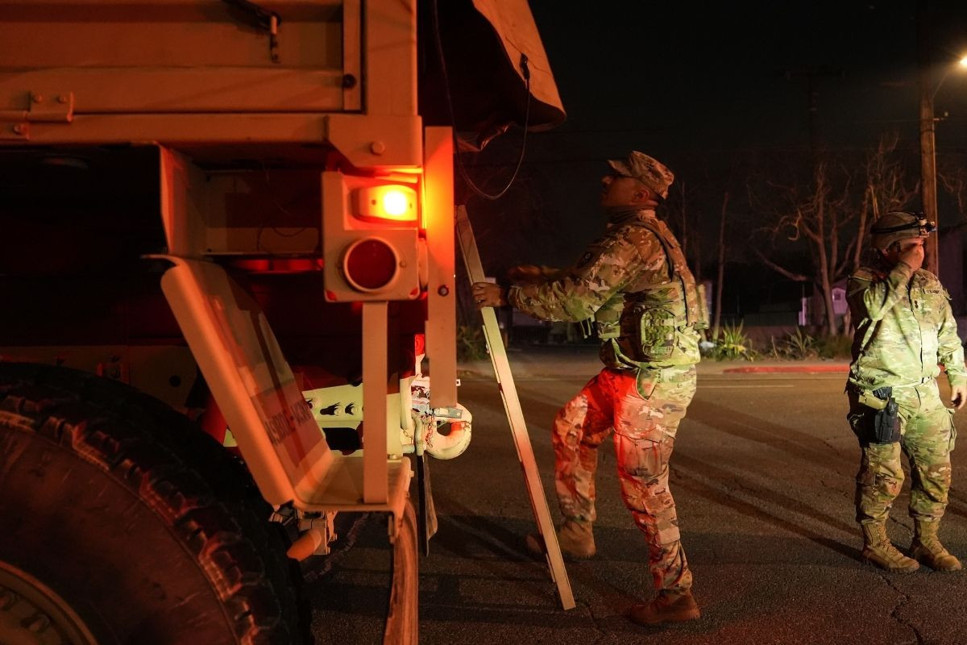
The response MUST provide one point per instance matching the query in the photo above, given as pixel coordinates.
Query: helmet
(899, 225)
(648, 170)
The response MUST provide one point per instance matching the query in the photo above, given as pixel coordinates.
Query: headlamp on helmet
(918, 222)
(898, 225)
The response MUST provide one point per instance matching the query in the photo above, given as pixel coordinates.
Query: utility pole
(928, 149)
(811, 74)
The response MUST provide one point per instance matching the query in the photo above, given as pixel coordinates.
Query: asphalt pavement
(582, 359)
(763, 476)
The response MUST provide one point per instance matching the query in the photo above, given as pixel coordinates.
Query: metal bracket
(317, 533)
(44, 107)
(53, 107)
(14, 131)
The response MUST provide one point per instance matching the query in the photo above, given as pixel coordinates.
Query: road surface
(763, 477)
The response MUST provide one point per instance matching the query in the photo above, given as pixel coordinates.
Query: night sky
(726, 75)
(694, 84)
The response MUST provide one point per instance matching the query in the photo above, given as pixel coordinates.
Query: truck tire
(402, 619)
(123, 523)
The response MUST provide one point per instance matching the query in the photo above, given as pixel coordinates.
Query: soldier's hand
(487, 294)
(958, 395)
(525, 273)
(911, 253)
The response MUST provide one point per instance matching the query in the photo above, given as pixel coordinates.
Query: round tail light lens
(370, 264)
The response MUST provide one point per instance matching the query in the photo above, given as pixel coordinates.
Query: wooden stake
(515, 416)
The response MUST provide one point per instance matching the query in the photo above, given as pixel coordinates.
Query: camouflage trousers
(643, 409)
(928, 436)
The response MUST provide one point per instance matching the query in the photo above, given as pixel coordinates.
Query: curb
(783, 369)
(552, 369)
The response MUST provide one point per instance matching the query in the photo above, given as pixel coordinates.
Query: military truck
(226, 246)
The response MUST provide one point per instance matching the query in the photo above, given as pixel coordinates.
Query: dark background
(717, 92)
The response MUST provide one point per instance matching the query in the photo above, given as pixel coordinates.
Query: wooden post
(515, 416)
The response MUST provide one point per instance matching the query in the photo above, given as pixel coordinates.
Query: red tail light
(370, 264)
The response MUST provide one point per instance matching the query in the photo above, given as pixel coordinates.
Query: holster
(878, 420)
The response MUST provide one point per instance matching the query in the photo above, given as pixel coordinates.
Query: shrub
(797, 345)
(731, 343)
(471, 344)
(835, 346)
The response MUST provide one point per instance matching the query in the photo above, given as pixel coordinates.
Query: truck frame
(226, 246)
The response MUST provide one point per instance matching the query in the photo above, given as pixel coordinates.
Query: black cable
(262, 17)
(267, 21)
(525, 71)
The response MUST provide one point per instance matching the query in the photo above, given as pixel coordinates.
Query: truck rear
(226, 247)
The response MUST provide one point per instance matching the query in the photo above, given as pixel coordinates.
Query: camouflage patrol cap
(649, 171)
(899, 225)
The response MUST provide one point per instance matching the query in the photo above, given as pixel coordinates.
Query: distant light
(963, 61)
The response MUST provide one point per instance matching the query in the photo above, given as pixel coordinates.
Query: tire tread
(205, 497)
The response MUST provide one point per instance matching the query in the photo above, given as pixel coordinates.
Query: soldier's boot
(667, 607)
(574, 537)
(879, 551)
(926, 548)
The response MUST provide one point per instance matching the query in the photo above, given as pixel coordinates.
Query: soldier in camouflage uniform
(904, 328)
(635, 285)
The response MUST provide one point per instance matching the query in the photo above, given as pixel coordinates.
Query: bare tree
(953, 176)
(886, 189)
(819, 215)
(832, 214)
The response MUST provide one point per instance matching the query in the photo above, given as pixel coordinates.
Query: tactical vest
(656, 324)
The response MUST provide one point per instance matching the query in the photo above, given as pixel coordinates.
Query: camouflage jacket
(642, 307)
(904, 328)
